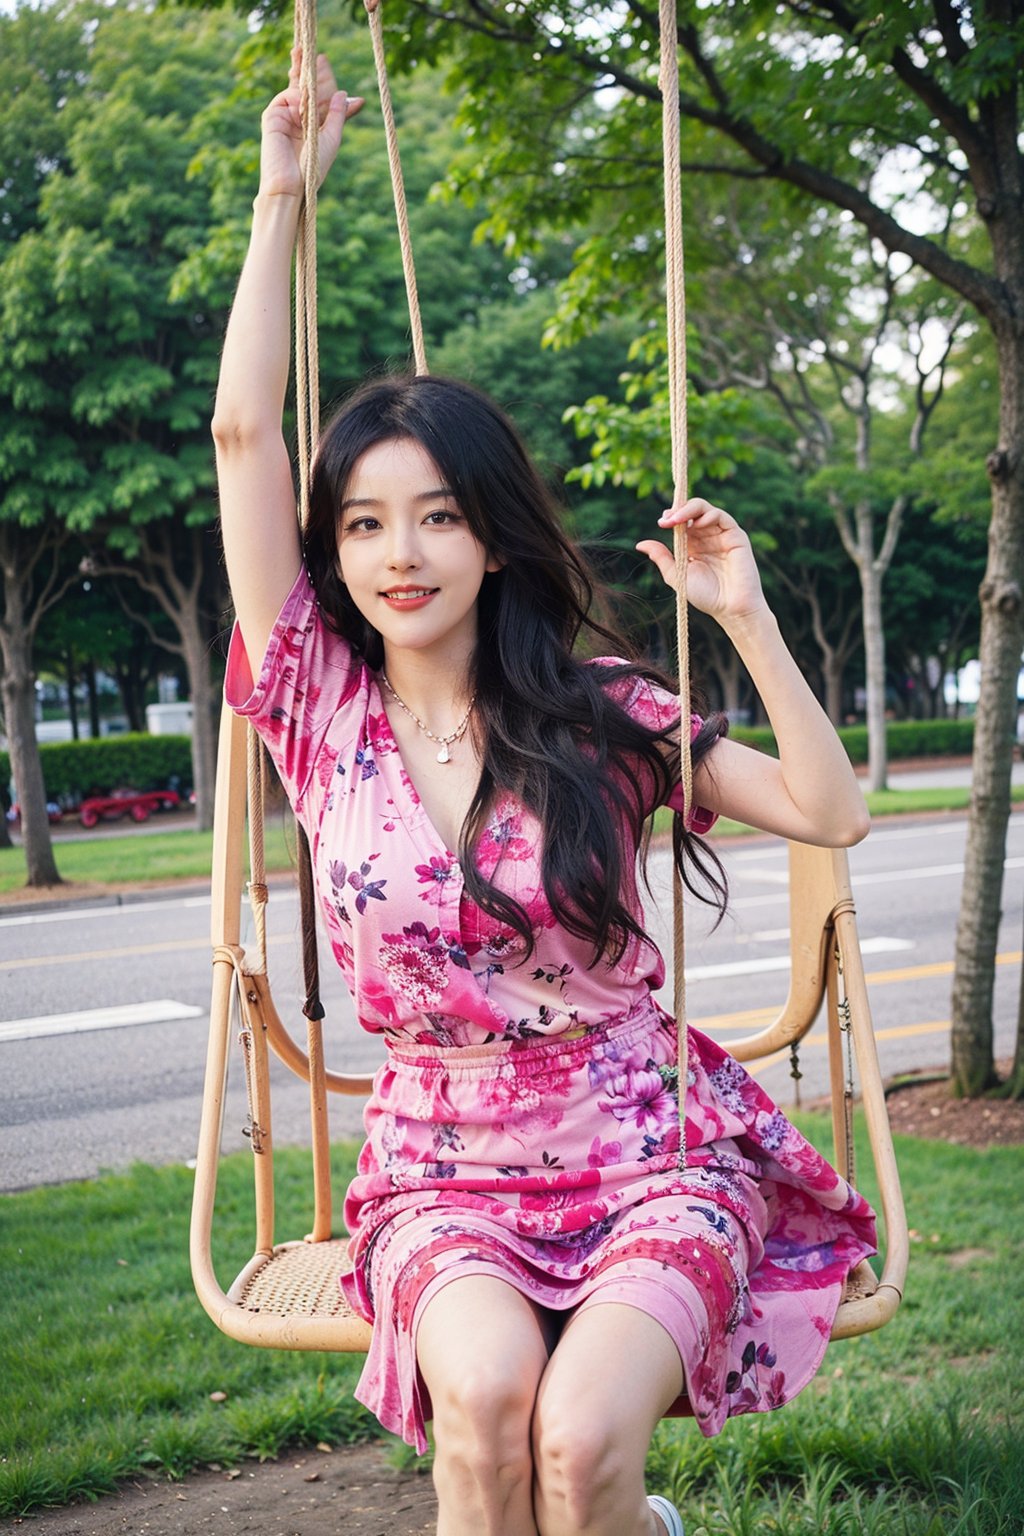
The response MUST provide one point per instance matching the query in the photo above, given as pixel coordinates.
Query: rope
(257, 859)
(373, 10)
(307, 353)
(675, 317)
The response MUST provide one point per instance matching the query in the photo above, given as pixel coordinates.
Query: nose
(403, 551)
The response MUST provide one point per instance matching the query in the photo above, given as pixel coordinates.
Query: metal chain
(844, 1014)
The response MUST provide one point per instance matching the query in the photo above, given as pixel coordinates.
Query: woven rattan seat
(299, 1278)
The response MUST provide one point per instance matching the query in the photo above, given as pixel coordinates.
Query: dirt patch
(926, 1108)
(354, 1491)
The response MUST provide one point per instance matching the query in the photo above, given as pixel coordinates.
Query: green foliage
(75, 769)
(904, 739)
(104, 377)
(632, 440)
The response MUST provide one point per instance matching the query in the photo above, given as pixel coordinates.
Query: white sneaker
(667, 1514)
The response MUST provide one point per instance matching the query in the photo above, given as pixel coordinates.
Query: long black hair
(549, 726)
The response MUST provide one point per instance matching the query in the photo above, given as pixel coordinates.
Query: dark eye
(361, 525)
(442, 516)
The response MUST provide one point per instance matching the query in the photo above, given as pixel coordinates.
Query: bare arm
(257, 501)
(810, 793)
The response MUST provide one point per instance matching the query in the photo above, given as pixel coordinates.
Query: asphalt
(950, 773)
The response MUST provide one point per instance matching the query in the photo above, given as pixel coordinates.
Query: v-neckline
(435, 837)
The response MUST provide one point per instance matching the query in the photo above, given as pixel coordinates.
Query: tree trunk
(69, 668)
(131, 687)
(832, 676)
(19, 695)
(1002, 636)
(92, 693)
(874, 654)
(1015, 1086)
(204, 736)
(728, 671)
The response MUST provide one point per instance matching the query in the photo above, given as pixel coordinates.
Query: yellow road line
(160, 947)
(898, 1032)
(740, 1020)
(750, 1018)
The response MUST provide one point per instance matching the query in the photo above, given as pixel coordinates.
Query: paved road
(76, 1102)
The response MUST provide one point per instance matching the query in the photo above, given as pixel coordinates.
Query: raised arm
(254, 477)
(810, 793)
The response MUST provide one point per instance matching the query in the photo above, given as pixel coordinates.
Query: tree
(828, 98)
(104, 385)
(33, 583)
(43, 56)
(130, 147)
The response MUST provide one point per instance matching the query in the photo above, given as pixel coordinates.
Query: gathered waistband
(470, 1060)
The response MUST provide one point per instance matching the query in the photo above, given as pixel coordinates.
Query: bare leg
(482, 1349)
(611, 1377)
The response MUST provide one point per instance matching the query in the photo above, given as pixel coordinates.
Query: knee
(482, 1432)
(579, 1466)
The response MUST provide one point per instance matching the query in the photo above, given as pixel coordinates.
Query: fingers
(329, 98)
(663, 558)
(696, 513)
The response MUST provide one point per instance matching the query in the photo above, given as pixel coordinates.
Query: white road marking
(160, 1012)
(859, 881)
(771, 876)
(75, 914)
(879, 946)
(933, 872)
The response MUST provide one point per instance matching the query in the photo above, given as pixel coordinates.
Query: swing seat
(288, 1296)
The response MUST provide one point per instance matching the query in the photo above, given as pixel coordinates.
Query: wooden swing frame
(287, 1296)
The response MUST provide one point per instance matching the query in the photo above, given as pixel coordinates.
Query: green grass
(166, 856)
(150, 856)
(898, 802)
(108, 1363)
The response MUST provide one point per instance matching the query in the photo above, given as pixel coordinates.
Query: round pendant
(444, 756)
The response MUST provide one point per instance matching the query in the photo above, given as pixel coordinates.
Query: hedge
(73, 770)
(904, 738)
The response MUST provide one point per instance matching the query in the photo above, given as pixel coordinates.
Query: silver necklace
(444, 756)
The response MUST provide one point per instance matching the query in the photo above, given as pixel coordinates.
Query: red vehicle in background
(139, 805)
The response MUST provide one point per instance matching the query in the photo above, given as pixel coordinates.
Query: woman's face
(410, 562)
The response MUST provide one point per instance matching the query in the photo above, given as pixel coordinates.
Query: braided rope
(373, 11)
(257, 857)
(307, 352)
(675, 317)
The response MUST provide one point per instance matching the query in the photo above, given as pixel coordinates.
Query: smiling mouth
(409, 594)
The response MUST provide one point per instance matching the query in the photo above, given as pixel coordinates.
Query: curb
(136, 896)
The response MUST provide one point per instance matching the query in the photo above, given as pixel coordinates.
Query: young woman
(543, 1279)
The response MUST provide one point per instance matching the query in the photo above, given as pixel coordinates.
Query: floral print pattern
(525, 1122)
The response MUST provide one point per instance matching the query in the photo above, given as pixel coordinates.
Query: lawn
(152, 857)
(109, 1364)
(165, 856)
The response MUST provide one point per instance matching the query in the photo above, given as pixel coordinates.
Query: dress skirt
(742, 1257)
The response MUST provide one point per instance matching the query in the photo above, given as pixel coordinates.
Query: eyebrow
(441, 493)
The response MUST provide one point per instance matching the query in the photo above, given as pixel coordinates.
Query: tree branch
(985, 293)
(844, 528)
(893, 524)
(924, 85)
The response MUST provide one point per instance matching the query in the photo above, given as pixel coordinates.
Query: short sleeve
(661, 708)
(307, 674)
(656, 707)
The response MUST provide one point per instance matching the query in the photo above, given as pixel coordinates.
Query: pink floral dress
(524, 1124)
